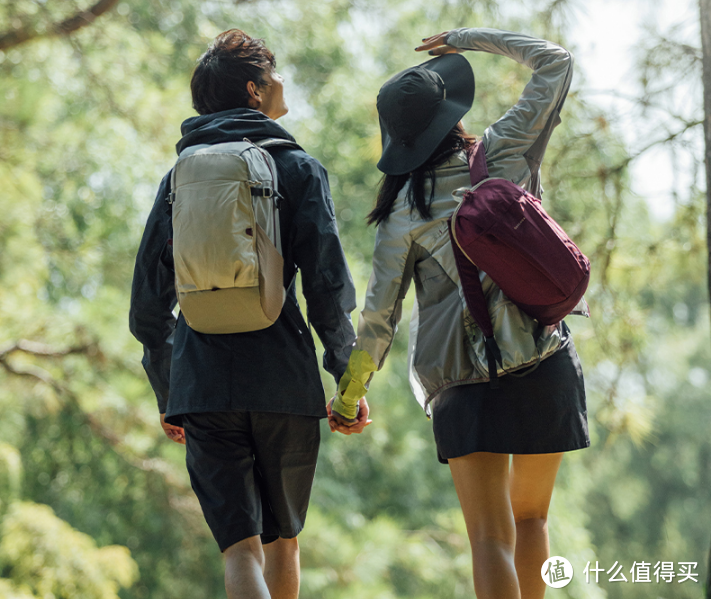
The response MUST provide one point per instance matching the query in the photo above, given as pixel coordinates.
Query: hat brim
(458, 77)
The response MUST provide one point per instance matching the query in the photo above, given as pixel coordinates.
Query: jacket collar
(229, 125)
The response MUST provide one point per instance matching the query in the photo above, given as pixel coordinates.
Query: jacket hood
(229, 125)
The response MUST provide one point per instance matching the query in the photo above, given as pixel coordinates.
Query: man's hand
(437, 45)
(337, 423)
(174, 433)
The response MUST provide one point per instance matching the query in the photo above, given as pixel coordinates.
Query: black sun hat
(418, 107)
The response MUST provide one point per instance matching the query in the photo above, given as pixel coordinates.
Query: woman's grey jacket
(446, 346)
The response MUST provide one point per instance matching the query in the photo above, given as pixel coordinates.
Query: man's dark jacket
(274, 369)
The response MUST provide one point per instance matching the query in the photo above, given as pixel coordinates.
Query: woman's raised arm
(525, 128)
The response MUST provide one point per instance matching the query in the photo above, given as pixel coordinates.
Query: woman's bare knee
(531, 523)
(532, 481)
(482, 485)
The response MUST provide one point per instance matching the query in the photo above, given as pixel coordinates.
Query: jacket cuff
(346, 404)
(453, 38)
(344, 411)
(354, 383)
(156, 363)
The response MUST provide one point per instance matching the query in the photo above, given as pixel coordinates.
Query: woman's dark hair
(457, 139)
(220, 78)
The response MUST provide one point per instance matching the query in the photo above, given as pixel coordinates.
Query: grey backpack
(226, 240)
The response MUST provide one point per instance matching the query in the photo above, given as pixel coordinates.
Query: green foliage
(10, 591)
(87, 127)
(42, 551)
(378, 558)
(10, 474)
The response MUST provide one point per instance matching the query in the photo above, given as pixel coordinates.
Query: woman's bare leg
(532, 480)
(482, 484)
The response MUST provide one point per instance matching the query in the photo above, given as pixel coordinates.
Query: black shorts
(252, 472)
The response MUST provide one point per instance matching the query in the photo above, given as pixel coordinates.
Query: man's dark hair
(220, 78)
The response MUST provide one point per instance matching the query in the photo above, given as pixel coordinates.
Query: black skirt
(542, 412)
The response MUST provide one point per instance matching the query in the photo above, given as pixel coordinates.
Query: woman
(535, 417)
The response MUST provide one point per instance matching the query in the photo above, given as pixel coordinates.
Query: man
(248, 405)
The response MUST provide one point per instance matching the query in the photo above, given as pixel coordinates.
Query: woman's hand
(437, 45)
(336, 422)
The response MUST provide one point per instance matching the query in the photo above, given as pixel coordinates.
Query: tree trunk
(705, 19)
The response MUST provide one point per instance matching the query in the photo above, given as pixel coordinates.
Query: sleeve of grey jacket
(525, 129)
(151, 318)
(393, 266)
(326, 280)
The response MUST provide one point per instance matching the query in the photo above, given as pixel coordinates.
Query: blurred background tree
(92, 98)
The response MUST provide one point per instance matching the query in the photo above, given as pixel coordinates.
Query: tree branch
(39, 375)
(66, 27)
(31, 372)
(632, 157)
(36, 348)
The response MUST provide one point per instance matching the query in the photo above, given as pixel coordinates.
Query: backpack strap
(275, 142)
(170, 198)
(469, 273)
(476, 157)
(266, 144)
(478, 308)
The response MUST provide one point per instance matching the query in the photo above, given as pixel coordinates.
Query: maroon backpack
(504, 230)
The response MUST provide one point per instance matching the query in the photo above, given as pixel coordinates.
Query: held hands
(174, 433)
(437, 45)
(337, 423)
